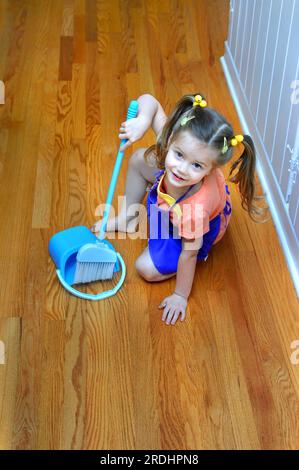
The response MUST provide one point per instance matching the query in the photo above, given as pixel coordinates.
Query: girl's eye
(197, 165)
(179, 154)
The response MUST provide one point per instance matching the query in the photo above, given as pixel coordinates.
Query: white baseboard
(277, 205)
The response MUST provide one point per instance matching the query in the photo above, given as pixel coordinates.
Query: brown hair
(210, 127)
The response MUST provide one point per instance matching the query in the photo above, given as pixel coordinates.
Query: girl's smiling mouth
(177, 177)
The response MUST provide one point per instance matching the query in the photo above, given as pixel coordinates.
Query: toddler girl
(188, 205)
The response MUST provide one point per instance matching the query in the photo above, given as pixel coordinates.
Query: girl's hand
(174, 305)
(133, 130)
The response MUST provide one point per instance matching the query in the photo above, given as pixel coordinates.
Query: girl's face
(188, 160)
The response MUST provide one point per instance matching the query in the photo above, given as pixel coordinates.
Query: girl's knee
(146, 167)
(140, 266)
(144, 270)
(137, 158)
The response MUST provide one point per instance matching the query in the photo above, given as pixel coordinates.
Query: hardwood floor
(111, 374)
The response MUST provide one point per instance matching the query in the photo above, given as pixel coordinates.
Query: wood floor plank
(145, 394)
(43, 185)
(79, 39)
(26, 417)
(218, 432)
(51, 408)
(66, 57)
(93, 89)
(275, 364)
(142, 51)
(10, 333)
(17, 188)
(235, 387)
(67, 26)
(79, 101)
(91, 20)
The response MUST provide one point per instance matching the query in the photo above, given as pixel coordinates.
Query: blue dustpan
(64, 247)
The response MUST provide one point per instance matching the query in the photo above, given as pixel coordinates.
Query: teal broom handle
(132, 113)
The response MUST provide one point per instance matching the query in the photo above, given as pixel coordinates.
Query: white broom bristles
(88, 272)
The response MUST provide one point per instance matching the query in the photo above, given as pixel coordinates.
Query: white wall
(261, 65)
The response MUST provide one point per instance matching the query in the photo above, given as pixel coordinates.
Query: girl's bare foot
(127, 225)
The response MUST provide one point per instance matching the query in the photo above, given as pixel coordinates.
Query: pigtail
(245, 178)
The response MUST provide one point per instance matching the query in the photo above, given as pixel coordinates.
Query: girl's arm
(186, 266)
(151, 109)
(175, 305)
(150, 114)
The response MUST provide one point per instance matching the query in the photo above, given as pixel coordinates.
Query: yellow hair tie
(199, 101)
(235, 140)
(225, 146)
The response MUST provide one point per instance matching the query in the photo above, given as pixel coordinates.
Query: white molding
(277, 205)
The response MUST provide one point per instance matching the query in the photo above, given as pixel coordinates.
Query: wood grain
(111, 374)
